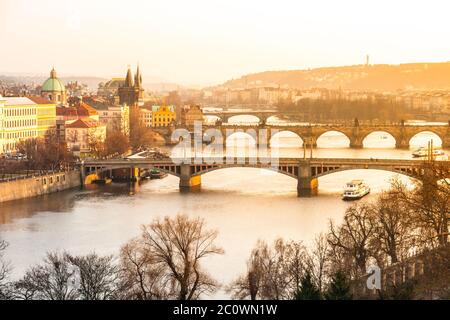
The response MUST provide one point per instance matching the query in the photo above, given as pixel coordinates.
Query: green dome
(53, 84)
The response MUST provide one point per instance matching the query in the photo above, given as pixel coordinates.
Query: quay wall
(39, 185)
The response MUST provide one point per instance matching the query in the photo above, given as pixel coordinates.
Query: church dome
(53, 84)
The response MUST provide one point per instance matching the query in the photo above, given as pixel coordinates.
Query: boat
(102, 181)
(355, 189)
(423, 152)
(157, 174)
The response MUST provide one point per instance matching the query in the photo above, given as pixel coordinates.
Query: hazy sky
(207, 42)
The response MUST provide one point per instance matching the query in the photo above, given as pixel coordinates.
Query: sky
(203, 42)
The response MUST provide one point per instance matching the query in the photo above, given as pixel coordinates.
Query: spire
(53, 73)
(129, 78)
(138, 78)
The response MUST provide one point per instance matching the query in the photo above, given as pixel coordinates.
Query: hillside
(359, 77)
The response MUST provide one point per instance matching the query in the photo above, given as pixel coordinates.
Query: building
(66, 115)
(54, 90)
(146, 116)
(164, 116)
(46, 115)
(191, 114)
(110, 89)
(131, 92)
(81, 133)
(18, 121)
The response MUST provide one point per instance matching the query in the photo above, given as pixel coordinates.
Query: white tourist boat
(355, 189)
(423, 152)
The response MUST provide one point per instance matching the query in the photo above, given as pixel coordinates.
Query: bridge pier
(356, 142)
(307, 185)
(402, 144)
(188, 182)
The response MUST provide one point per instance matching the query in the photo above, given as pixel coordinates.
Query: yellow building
(18, 121)
(163, 116)
(46, 115)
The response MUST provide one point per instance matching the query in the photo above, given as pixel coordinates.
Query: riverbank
(39, 185)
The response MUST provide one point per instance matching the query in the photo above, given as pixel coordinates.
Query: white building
(18, 121)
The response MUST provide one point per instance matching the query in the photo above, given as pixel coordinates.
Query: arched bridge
(311, 133)
(306, 171)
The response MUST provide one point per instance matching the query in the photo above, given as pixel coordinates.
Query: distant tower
(132, 92)
(367, 60)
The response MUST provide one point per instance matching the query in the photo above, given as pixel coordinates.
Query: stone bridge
(224, 116)
(306, 171)
(311, 133)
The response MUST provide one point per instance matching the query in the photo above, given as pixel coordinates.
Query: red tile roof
(85, 110)
(40, 100)
(83, 123)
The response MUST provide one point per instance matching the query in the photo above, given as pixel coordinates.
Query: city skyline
(172, 44)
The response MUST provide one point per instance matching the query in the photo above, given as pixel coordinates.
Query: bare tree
(317, 260)
(350, 242)
(54, 279)
(248, 285)
(394, 232)
(97, 277)
(5, 270)
(429, 202)
(272, 272)
(177, 246)
(141, 277)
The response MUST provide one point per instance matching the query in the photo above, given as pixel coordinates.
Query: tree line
(346, 110)
(404, 224)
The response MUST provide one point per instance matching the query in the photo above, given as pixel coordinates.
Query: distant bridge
(309, 134)
(306, 171)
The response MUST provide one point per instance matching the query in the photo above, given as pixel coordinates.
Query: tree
(140, 135)
(429, 201)
(5, 270)
(272, 272)
(350, 243)
(394, 232)
(45, 153)
(339, 287)
(248, 285)
(54, 279)
(97, 277)
(116, 142)
(317, 260)
(307, 289)
(62, 276)
(176, 246)
(141, 277)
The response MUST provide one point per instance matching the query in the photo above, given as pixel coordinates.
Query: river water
(243, 204)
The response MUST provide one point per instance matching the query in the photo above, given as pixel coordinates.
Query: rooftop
(84, 123)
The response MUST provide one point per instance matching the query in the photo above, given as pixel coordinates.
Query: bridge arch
(286, 134)
(169, 169)
(243, 119)
(323, 139)
(407, 173)
(285, 170)
(421, 139)
(242, 138)
(379, 139)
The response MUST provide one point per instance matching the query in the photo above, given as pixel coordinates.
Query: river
(243, 204)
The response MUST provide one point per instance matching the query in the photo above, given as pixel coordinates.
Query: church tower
(132, 92)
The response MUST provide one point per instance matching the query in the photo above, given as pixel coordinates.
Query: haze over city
(209, 42)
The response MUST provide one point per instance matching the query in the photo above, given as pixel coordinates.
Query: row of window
(50, 180)
(20, 135)
(20, 112)
(20, 123)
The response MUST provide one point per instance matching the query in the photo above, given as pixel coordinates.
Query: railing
(30, 174)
